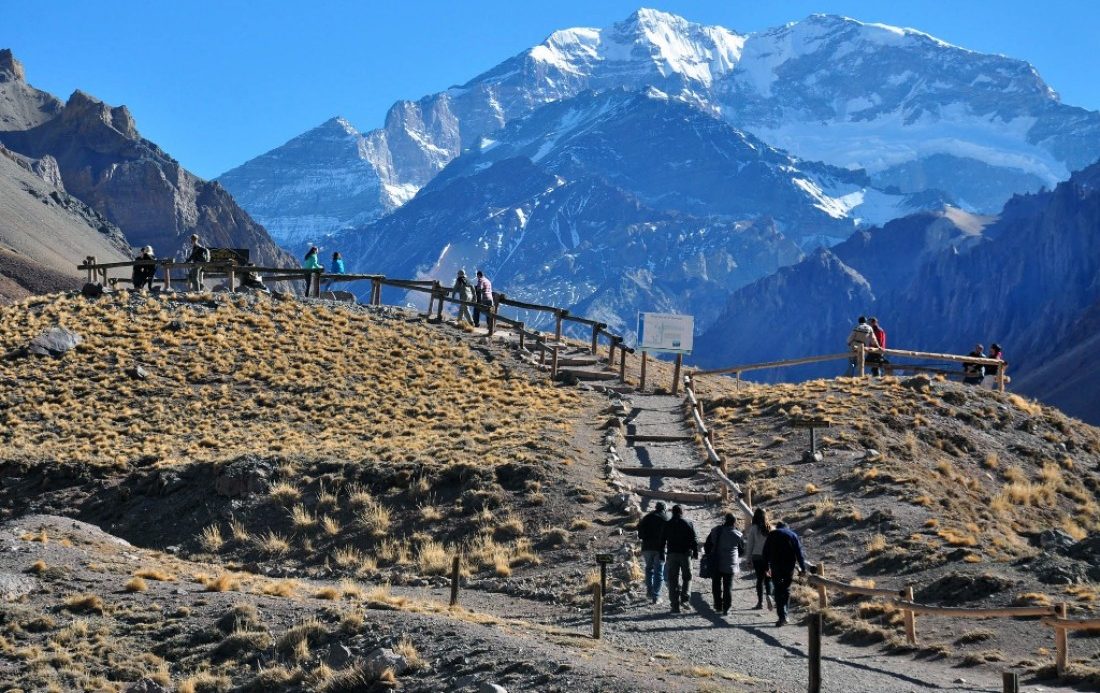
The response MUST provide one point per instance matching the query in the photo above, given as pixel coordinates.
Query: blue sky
(217, 82)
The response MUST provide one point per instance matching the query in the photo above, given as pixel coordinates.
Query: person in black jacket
(783, 552)
(725, 546)
(651, 530)
(681, 545)
(144, 273)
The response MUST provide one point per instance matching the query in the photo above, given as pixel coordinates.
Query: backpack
(204, 256)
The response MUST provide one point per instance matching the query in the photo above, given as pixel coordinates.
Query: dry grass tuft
(136, 584)
(84, 604)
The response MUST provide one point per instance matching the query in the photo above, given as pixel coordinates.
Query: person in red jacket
(877, 359)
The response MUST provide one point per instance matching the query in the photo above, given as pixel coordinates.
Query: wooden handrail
(817, 580)
(774, 364)
(1072, 624)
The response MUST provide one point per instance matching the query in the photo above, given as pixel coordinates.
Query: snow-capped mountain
(913, 111)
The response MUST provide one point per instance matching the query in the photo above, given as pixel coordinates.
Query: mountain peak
(11, 66)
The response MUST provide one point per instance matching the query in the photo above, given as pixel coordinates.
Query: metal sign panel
(665, 332)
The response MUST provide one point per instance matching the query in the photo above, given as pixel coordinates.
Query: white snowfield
(827, 88)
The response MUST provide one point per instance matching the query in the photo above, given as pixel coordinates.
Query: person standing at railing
(462, 291)
(861, 334)
(783, 553)
(312, 262)
(337, 267)
(754, 548)
(199, 254)
(483, 290)
(143, 274)
(974, 373)
(877, 359)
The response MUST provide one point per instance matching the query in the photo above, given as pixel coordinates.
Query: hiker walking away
(754, 548)
(651, 530)
(681, 546)
(143, 274)
(337, 267)
(973, 373)
(199, 254)
(783, 553)
(312, 262)
(483, 293)
(463, 291)
(861, 334)
(725, 546)
(876, 359)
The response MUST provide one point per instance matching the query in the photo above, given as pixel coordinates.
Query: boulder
(384, 658)
(1088, 549)
(243, 477)
(339, 656)
(920, 383)
(148, 686)
(90, 290)
(1056, 540)
(137, 373)
(55, 342)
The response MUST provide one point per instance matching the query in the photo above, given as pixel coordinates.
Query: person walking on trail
(143, 274)
(651, 530)
(681, 546)
(861, 334)
(783, 553)
(199, 254)
(312, 262)
(725, 547)
(973, 373)
(483, 291)
(463, 291)
(754, 548)
(877, 359)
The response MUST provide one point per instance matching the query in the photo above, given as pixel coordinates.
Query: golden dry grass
(271, 371)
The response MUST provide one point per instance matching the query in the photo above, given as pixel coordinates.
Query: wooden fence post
(597, 612)
(439, 311)
(622, 366)
(1001, 377)
(748, 489)
(1061, 641)
(611, 354)
(822, 593)
(230, 276)
(860, 360)
(910, 618)
(491, 316)
(521, 329)
(676, 374)
(595, 338)
(557, 325)
(168, 276)
(816, 623)
(645, 355)
(541, 345)
(375, 291)
(317, 283)
(89, 261)
(1010, 682)
(554, 364)
(455, 565)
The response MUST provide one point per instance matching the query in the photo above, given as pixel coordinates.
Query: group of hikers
(870, 335)
(669, 545)
(480, 294)
(145, 268)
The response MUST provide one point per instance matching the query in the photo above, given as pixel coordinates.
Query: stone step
(647, 438)
(679, 496)
(578, 360)
(584, 374)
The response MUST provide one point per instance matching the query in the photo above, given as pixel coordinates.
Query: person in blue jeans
(651, 531)
(783, 552)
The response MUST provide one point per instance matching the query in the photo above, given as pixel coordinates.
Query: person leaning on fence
(724, 546)
(783, 553)
(143, 274)
(483, 292)
(681, 546)
(199, 254)
(877, 360)
(462, 291)
(995, 352)
(861, 334)
(311, 262)
(651, 530)
(754, 549)
(973, 373)
(337, 267)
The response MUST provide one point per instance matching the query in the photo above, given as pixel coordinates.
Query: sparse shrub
(211, 539)
(810, 489)
(136, 584)
(273, 544)
(555, 536)
(84, 604)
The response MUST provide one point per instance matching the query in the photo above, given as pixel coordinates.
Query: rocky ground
(322, 564)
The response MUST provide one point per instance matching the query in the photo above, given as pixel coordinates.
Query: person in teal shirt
(312, 262)
(337, 267)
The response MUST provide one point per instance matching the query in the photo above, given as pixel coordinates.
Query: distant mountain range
(112, 182)
(915, 113)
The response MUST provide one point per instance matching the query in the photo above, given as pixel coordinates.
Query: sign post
(667, 333)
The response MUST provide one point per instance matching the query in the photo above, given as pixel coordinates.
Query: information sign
(665, 332)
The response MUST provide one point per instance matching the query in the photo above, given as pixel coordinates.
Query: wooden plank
(936, 357)
(1072, 624)
(679, 496)
(964, 612)
(671, 472)
(774, 364)
(654, 438)
(809, 422)
(823, 582)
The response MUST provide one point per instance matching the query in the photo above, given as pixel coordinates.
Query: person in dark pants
(681, 546)
(725, 546)
(143, 274)
(483, 295)
(651, 530)
(783, 552)
(754, 548)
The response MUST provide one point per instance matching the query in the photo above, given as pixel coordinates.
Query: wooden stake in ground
(597, 612)
(455, 565)
(1010, 682)
(910, 618)
(641, 385)
(1061, 641)
(676, 374)
(816, 624)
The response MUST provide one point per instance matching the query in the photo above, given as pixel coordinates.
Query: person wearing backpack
(724, 546)
(199, 254)
(462, 291)
(861, 334)
(651, 531)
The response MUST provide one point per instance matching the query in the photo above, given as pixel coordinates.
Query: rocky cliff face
(941, 283)
(913, 111)
(102, 159)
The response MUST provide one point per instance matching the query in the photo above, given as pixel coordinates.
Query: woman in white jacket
(754, 547)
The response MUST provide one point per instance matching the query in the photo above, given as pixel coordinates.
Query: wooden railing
(438, 295)
(860, 354)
